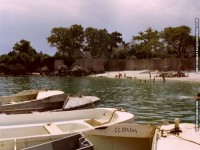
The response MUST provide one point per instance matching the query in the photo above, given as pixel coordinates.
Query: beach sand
(144, 75)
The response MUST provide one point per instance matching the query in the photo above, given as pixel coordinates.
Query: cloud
(33, 20)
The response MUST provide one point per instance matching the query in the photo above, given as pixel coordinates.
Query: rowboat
(32, 100)
(24, 130)
(29, 101)
(115, 137)
(134, 136)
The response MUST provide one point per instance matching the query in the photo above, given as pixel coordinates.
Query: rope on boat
(80, 95)
(171, 132)
(187, 140)
(90, 101)
(113, 115)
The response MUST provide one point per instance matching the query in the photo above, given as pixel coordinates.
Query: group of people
(120, 75)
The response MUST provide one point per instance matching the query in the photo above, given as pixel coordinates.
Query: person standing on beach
(150, 75)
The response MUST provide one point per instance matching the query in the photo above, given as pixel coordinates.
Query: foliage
(22, 59)
(97, 42)
(148, 41)
(178, 38)
(120, 53)
(66, 40)
(171, 42)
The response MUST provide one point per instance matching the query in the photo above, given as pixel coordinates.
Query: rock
(63, 67)
(79, 71)
(56, 73)
(44, 69)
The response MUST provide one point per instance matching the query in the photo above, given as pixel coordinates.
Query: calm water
(149, 102)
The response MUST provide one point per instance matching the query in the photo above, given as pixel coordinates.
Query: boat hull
(32, 100)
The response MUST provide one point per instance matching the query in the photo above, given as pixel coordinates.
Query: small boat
(80, 102)
(32, 100)
(124, 137)
(114, 137)
(24, 130)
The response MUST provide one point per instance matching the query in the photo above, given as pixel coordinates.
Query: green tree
(24, 46)
(148, 41)
(23, 59)
(91, 39)
(115, 39)
(22, 56)
(178, 39)
(66, 40)
(100, 42)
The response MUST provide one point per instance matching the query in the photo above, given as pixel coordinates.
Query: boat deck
(188, 139)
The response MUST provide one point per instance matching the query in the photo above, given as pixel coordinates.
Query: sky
(33, 20)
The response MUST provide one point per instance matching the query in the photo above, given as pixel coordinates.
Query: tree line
(170, 42)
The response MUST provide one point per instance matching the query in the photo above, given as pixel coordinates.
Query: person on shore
(150, 75)
(163, 76)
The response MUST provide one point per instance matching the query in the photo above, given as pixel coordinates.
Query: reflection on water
(149, 102)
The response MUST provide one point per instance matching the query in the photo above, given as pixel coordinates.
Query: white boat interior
(39, 127)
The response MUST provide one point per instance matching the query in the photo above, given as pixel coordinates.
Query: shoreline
(145, 75)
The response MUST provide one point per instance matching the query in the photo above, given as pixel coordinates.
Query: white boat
(81, 102)
(25, 130)
(29, 101)
(115, 137)
(124, 137)
(187, 138)
(32, 100)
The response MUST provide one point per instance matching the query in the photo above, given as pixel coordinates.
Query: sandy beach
(145, 75)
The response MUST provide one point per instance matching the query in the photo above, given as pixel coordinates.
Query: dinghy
(32, 100)
(29, 101)
(115, 137)
(24, 130)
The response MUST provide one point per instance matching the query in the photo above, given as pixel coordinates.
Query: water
(149, 102)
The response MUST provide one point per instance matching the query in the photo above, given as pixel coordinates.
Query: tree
(100, 42)
(66, 40)
(23, 59)
(97, 42)
(115, 39)
(22, 54)
(178, 38)
(24, 46)
(148, 41)
(91, 39)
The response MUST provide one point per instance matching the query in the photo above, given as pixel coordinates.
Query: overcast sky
(33, 20)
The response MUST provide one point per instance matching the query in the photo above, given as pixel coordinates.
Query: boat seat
(52, 129)
(93, 122)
